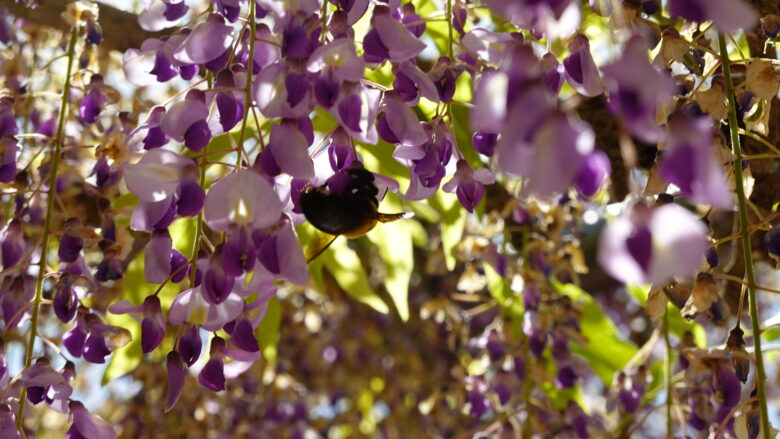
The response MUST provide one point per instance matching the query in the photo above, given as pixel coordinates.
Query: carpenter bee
(347, 204)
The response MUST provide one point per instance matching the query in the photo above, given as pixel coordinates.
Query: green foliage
(606, 351)
(499, 289)
(394, 242)
(268, 331)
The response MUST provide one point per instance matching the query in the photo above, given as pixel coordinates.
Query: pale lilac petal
(137, 64)
(581, 71)
(291, 258)
(679, 243)
(403, 122)
(421, 79)
(182, 116)
(400, 42)
(152, 17)
(489, 46)
(157, 257)
(207, 41)
(369, 107)
(219, 315)
(157, 175)
(125, 307)
(89, 426)
(270, 93)
(490, 102)
(290, 151)
(41, 374)
(146, 215)
(340, 58)
(242, 198)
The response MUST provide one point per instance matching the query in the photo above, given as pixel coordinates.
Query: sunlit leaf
(606, 350)
(394, 242)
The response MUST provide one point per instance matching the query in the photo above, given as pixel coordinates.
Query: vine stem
(669, 396)
(248, 86)
(449, 29)
(59, 140)
(743, 224)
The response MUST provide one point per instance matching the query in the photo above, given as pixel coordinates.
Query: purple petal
(212, 375)
(190, 198)
(243, 336)
(594, 172)
(91, 105)
(95, 349)
(197, 135)
(178, 262)
(65, 303)
(73, 341)
(153, 325)
(190, 345)
(230, 109)
(176, 375)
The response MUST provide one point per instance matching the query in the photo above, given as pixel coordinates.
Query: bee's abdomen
(338, 215)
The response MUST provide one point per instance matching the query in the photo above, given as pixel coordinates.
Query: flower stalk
(58, 141)
(248, 86)
(743, 224)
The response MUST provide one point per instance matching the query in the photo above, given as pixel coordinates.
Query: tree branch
(121, 30)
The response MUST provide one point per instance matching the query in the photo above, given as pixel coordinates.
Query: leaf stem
(669, 396)
(59, 140)
(743, 224)
(449, 29)
(248, 85)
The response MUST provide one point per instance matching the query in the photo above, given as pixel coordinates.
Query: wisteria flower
(287, 151)
(206, 42)
(689, 161)
(637, 90)
(161, 14)
(186, 121)
(726, 15)
(552, 159)
(581, 71)
(389, 39)
(652, 245)
(468, 184)
(149, 314)
(165, 184)
(243, 198)
(85, 425)
(191, 306)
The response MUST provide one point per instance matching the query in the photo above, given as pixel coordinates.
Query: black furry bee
(347, 205)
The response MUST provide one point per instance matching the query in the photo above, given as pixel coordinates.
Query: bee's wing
(390, 217)
(318, 244)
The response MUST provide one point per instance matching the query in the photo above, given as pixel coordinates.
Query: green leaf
(350, 275)
(453, 221)
(268, 331)
(394, 242)
(500, 290)
(606, 351)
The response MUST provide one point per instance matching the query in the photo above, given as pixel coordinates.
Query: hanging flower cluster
(191, 198)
